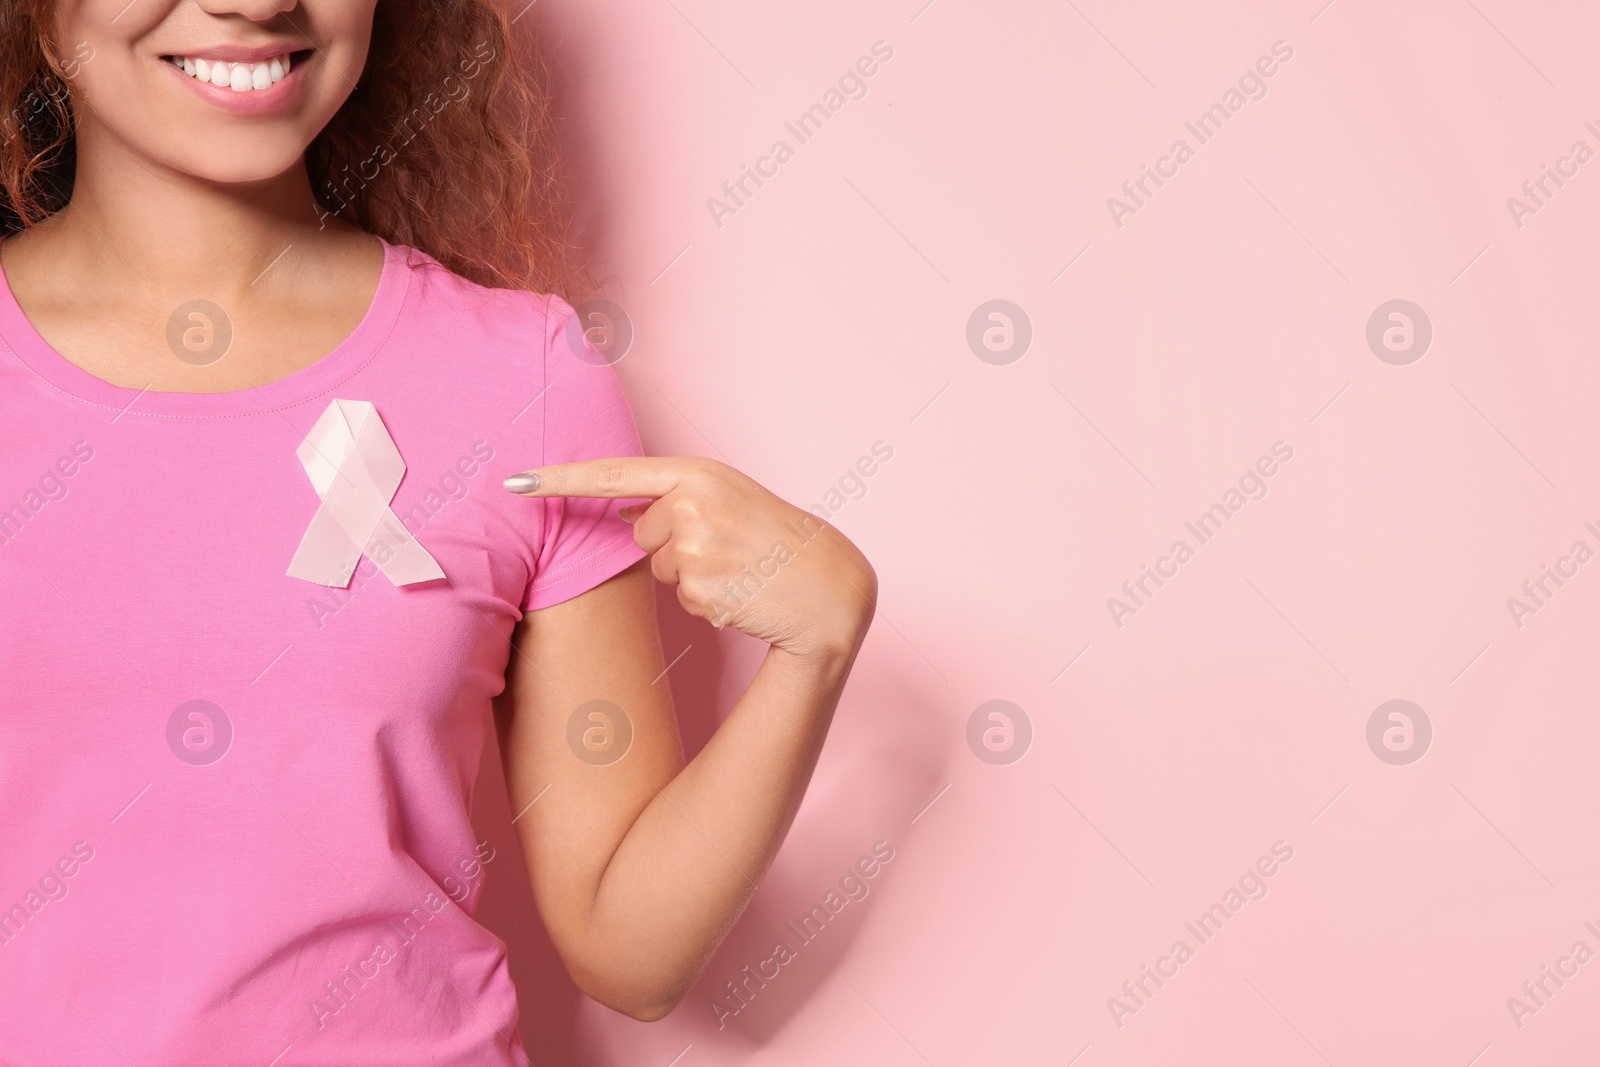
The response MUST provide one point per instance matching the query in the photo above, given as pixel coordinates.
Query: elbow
(644, 1002)
(644, 983)
(654, 1010)
(643, 1007)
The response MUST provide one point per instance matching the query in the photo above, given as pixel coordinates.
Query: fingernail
(526, 482)
(622, 513)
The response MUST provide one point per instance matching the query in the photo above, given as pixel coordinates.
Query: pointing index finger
(616, 477)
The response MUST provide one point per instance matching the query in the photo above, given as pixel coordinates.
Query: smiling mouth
(240, 77)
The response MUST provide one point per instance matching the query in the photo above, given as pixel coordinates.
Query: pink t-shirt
(234, 805)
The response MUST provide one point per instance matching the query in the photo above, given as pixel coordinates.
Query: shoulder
(516, 346)
(445, 302)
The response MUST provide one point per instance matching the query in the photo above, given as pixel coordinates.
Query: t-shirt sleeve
(586, 416)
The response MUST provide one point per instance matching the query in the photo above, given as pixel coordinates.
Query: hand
(739, 555)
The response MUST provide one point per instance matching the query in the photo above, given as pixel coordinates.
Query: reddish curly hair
(448, 142)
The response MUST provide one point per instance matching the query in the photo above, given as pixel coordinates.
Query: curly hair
(447, 144)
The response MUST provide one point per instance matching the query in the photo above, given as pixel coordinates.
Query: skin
(665, 856)
(639, 867)
(154, 222)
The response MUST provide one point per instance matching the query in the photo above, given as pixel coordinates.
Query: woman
(276, 314)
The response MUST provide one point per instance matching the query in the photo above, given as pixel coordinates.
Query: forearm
(691, 860)
(641, 865)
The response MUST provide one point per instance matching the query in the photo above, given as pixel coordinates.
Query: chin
(250, 159)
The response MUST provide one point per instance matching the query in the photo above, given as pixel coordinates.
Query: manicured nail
(526, 482)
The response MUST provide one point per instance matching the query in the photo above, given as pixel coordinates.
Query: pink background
(1168, 354)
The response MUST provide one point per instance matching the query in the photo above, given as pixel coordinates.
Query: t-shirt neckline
(17, 334)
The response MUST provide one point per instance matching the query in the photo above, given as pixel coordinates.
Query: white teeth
(240, 77)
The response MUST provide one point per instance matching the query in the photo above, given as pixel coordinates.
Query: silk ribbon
(355, 468)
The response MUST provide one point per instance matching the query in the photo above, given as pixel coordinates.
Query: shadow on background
(881, 764)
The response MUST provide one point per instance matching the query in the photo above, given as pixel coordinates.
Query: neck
(135, 222)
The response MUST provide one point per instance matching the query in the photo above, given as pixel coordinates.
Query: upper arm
(585, 791)
(588, 634)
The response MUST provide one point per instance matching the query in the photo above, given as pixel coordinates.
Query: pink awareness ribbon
(356, 469)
